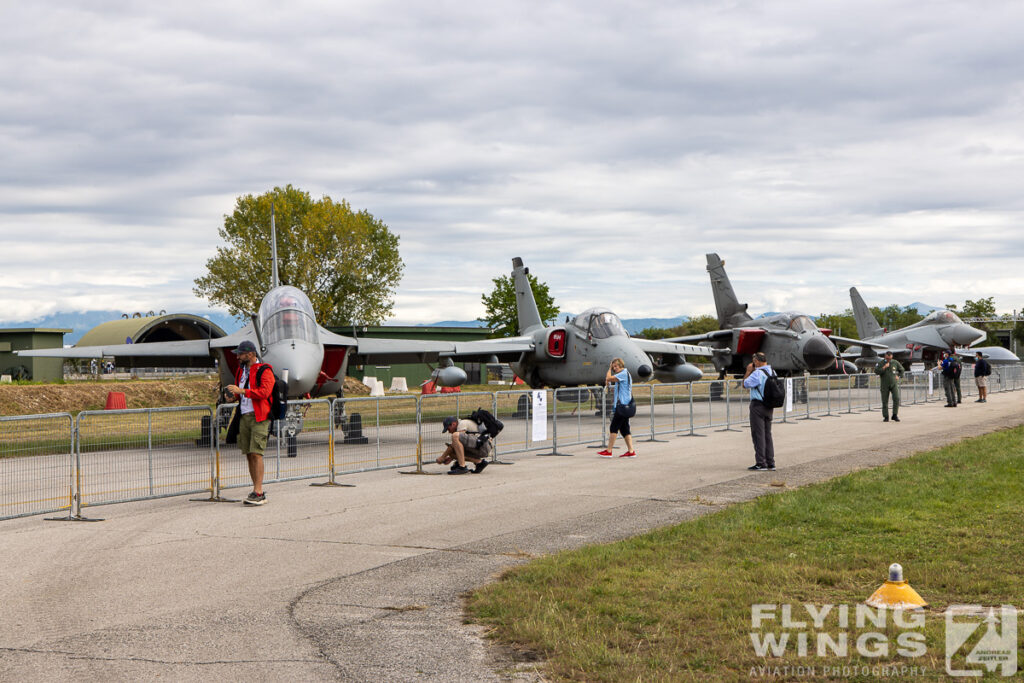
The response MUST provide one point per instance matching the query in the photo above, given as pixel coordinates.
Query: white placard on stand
(931, 383)
(789, 394)
(540, 416)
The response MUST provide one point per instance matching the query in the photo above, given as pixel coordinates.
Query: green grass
(675, 604)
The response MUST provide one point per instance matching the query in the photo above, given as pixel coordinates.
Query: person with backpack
(254, 390)
(958, 368)
(464, 444)
(891, 372)
(982, 369)
(756, 379)
(625, 408)
(948, 369)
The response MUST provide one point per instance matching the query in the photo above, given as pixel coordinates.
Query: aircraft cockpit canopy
(942, 317)
(802, 323)
(286, 313)
(599, 323)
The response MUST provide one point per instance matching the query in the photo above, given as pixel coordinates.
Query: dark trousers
(761, 433)
(949, 387)
(959, 394)
(894, 391)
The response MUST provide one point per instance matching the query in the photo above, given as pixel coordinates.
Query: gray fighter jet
(922, 342)
(579, 352)
(791, 340)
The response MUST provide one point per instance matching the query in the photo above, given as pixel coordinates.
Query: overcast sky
(814, 145)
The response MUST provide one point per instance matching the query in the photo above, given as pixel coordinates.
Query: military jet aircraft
(922, 342)
(579, 352)
(791, 340)
(309, 358)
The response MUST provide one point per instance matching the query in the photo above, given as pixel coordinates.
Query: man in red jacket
(253, 390)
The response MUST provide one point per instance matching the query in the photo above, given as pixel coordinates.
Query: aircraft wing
(927, 336)
(662, 347)
(858, 342)
(717, 335)
(370, 350)
(194, 347)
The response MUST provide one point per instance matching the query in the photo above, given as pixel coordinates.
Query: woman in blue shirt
(625, 408)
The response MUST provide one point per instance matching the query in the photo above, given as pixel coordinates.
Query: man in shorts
(982, 369)
(253, 390)
(463, 439)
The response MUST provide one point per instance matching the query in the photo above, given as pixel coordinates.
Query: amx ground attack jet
(791, 340)
(579, 352)
(922, 342)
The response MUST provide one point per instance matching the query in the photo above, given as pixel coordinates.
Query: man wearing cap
(891, 371)
(463, 439)
(982, 369)
(253, 390)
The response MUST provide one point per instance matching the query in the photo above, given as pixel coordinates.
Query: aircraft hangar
(155, 328)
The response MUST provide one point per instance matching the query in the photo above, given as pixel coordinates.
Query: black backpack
(278, 395)
(774, 393)
(492, 425)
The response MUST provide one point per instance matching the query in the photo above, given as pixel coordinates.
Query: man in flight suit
(891, 372)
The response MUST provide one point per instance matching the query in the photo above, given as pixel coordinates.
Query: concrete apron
(365, 583)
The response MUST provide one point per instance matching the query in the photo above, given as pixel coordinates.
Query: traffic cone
(896, 593)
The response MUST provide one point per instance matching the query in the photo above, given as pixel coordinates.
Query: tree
(346, 262)
(982, 308)
(500, 305)
(894, 317)
(698, 325)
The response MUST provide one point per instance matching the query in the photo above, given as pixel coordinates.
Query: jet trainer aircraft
(922, 342)
(791, 340)
(309, 358)
(578, 353)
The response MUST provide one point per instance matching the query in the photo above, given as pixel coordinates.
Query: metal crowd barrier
(54, 463)
(36, 464)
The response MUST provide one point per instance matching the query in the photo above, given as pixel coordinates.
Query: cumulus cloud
(609, 146)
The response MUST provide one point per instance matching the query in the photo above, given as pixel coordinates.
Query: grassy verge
(676, 604)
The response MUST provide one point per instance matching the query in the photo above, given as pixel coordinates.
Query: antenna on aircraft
(274, 282)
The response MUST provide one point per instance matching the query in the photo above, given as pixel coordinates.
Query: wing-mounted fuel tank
(447, 374)
(680, 372)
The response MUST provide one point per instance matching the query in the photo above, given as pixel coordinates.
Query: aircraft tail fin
(731, 312)
(867, 326)
(526, 305)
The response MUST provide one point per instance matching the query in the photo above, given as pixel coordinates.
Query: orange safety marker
(896, 593)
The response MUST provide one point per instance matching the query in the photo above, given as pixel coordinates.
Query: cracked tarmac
(365, 584)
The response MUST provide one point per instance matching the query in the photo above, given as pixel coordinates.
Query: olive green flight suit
(890, 383)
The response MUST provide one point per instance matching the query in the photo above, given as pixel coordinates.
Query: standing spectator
(948, 386)
(982, 369)
(958, 369)
(253, 389)
(760, 414)
(891, 372)
(625, 408)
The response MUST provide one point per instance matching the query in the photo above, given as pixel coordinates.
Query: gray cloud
(611, 146)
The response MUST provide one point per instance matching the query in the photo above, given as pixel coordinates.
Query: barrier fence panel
(126, 455)
(700, 394)
(36, 464)
(670, 408)
(384, 432)
(515, 409)
(435, 407)
(576, 415)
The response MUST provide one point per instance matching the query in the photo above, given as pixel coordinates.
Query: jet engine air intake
(556, 343)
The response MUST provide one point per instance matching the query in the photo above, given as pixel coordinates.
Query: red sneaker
(605, 453)
(628, 454)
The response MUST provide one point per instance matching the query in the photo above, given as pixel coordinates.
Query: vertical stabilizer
(275, 280)
(731, 313)
(526, 305)
(867, 326)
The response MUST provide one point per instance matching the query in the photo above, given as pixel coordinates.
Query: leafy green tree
(700, 324)
(982, 308)
(346, 262)
(842, 324)
(893, 317)
(500, 305)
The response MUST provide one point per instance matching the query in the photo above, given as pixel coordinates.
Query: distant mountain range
(632, 325)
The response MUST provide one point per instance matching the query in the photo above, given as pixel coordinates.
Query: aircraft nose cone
(644, 371)
(965, 335)
(818, 353)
